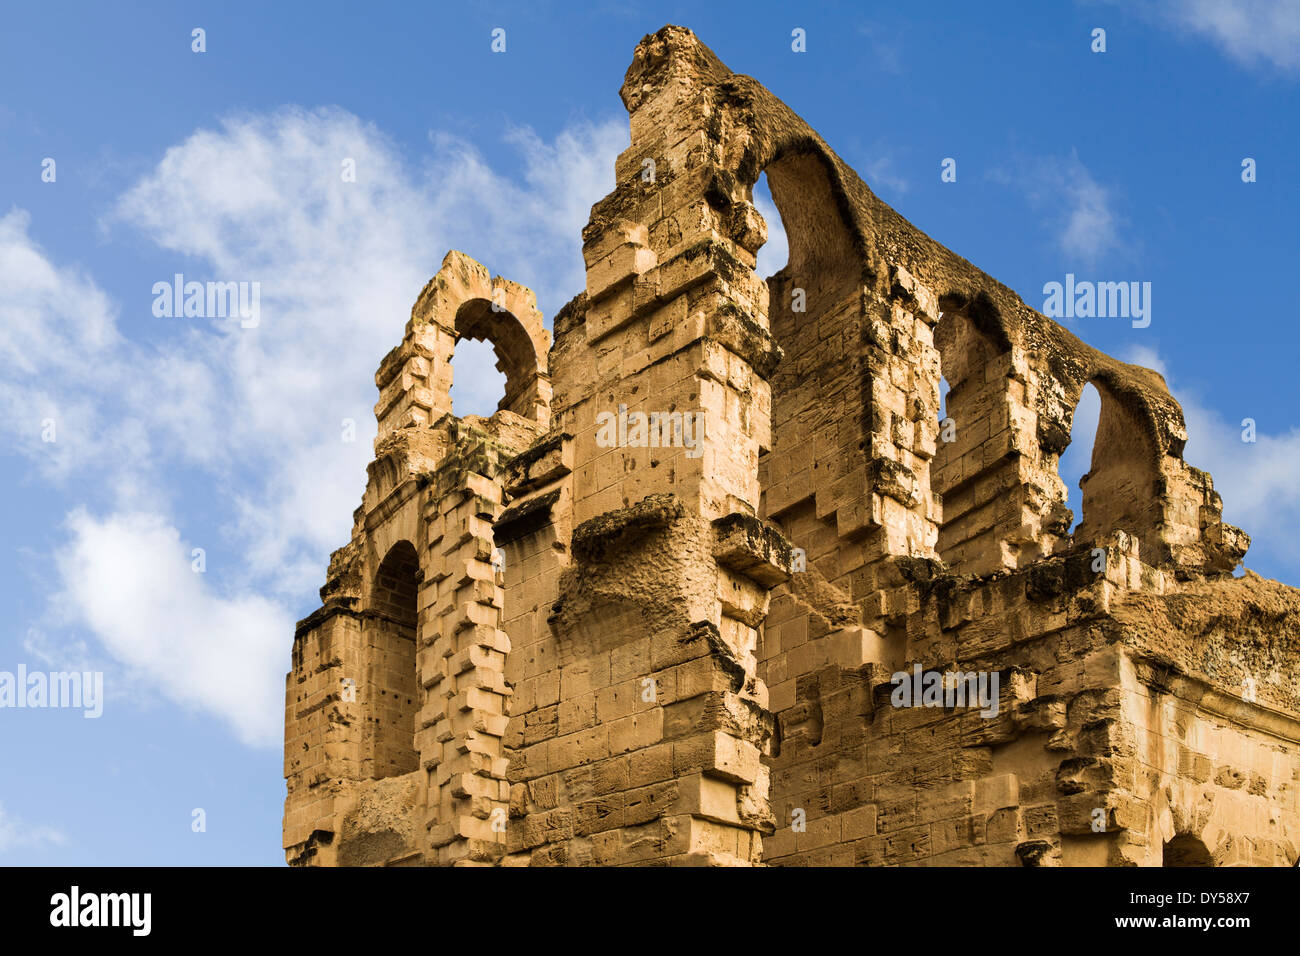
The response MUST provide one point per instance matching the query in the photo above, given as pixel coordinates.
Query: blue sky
(176, 434)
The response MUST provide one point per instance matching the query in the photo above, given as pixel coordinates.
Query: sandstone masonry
(541, 647)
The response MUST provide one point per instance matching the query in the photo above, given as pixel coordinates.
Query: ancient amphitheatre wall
(630, 654)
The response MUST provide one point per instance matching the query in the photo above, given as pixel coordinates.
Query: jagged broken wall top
(840, 234)
(552, 576)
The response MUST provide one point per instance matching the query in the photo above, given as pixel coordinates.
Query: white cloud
(58, 331)
(1254, 33)
(1147, 357)
(257, 413)
(17, 833)
(479, 393)
(1089, 229)
(131, 579)
(527, 230)
(340, 264)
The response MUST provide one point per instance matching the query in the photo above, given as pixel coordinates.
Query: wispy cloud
(885, 44)
(1258, 34)
(132, 580)
(880, 172)
(56, 326)
(15, 833)
(254, 416)
(1079, 210)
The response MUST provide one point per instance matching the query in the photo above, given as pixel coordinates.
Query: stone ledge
(751, 548)
(521, 520)
(541, 463)
(323, 613)
(595, 537)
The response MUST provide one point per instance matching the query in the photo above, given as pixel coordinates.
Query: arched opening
(516, 361)
(775, 253)
(478, 385)
(1118, 491)
(973, 413)
(391, 687)
(813, 301)
(822, 257)
(1186, 850)
(1076, 460)
(819, 390)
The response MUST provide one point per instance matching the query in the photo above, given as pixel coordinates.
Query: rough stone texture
(539, 648)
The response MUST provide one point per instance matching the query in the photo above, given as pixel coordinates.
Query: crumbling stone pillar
(655, 753)
(322, 730)
(1003, 501)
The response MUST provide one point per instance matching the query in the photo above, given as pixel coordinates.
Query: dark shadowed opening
(1186, 850)
(391, 681)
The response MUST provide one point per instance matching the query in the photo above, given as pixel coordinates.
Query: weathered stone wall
(687, 647)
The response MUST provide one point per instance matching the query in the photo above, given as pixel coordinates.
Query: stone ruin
(553, 640)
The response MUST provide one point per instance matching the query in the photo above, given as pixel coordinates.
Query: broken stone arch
(463, 300)
(821, 246)
(517, 355)
(977, 467)
(819, 284)
(838, 229)
(1120, 491)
